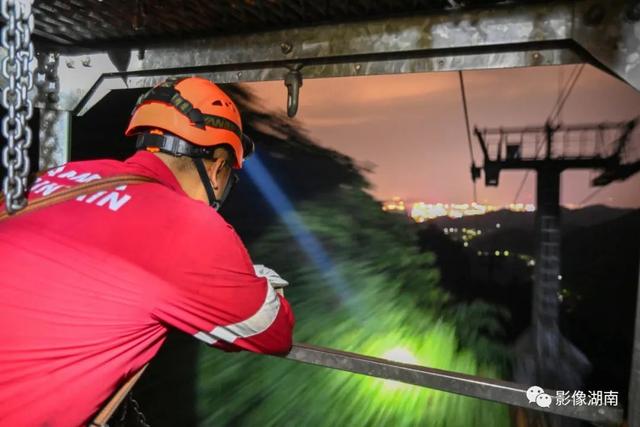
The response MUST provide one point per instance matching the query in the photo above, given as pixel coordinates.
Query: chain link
(16, 69)
(140, 420)
(128, 414)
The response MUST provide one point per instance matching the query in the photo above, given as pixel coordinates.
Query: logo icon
(533, 392)
(543, 400)
(536, 394)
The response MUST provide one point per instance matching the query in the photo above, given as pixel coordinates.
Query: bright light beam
(400, 355)
(309, 244)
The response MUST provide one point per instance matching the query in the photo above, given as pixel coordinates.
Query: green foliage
(382, 300)
(483, 338)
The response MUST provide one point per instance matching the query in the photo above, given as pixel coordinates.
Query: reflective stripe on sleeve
(254, 325)
(203, 336)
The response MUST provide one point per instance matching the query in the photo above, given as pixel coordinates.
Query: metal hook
(293, 82)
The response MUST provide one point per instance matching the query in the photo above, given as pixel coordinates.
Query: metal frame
(452, 382)
(560, 33)
(543, 354)
(55, 137)
(564, 32)
(604, 149)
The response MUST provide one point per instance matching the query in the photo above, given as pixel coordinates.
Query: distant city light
(497, 253)
(559, 276)
(421, 211)
(396, 204)
(466, 244)
(506, 253)
(498, 225)
(460, 234)
(531, 263)
(521, 207)
(479, 253)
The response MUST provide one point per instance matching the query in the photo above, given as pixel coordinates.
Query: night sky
(411, 127)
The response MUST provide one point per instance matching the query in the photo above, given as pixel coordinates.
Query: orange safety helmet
(195, 110)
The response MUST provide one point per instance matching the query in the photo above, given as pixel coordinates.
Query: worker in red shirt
(90, 286)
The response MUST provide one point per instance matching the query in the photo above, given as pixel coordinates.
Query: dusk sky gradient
(412, 128)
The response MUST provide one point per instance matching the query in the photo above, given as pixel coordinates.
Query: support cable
(466, 118)
(562, 101)
(555, 112)
(562, 90)
(526, 174)
(522, 183)
(591, 196)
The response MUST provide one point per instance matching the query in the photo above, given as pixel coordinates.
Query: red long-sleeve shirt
(89, 287)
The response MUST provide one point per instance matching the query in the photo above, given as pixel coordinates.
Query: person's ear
(214, 170)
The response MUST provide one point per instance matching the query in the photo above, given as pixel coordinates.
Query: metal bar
(80, 95)
(564, 128)
(634, 380)
(489, 27)
(452, 382)
(546, 337)
(483, 144)
(566, 163)
(498, 37)
(521, 35)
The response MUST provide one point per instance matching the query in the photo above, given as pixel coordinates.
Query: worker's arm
(216, 296)
(269, 330)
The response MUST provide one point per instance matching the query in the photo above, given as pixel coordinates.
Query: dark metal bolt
(286, 47)
(536, 58)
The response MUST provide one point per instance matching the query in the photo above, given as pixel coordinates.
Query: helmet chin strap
(206, 182)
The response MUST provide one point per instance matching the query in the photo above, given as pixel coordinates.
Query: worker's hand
(272, 277)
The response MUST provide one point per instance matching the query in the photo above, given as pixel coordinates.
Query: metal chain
(141, 420)
(16, 69)
(128, 413)
(122, 420)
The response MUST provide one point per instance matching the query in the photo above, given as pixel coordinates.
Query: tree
(360, 283)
